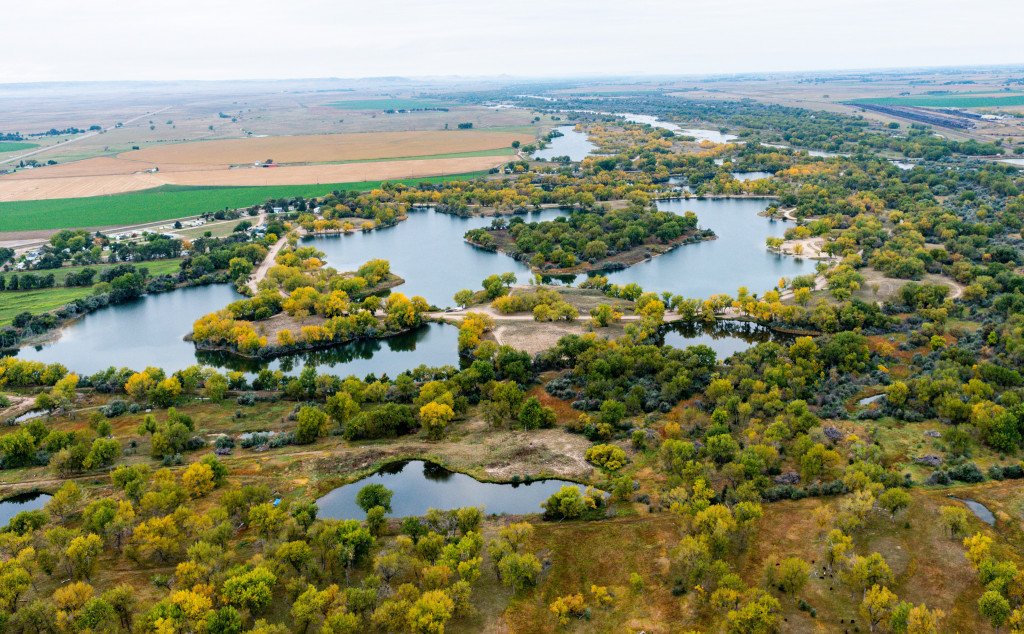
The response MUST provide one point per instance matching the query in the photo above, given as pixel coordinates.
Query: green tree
(994, 607)
(313, 424)
(373, 495)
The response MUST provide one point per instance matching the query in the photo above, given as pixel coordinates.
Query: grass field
(15, 146)
(163, 203)
(946, 101)
(38, 301)
(390, 104)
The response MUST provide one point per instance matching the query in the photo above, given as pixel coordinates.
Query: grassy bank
(164, 203)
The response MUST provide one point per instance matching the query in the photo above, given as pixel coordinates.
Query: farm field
(389, 104)
(16, 146)
(103, 185)
(326, 147)
(162, 204)
(989, 100)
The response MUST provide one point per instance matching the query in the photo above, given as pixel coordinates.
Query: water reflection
(419, 486)
(724, 337)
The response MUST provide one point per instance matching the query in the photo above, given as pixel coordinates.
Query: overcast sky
(48, 40)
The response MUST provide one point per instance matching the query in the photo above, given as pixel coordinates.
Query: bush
(114, 408)
(967, 472)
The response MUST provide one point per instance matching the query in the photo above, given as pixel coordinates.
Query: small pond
(980, 510)
(725, 337)
(419, 486)
(9, 507)
(573, 144)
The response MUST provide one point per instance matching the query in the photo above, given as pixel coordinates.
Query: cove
(419, 486)
(737, 258)
(9, 507)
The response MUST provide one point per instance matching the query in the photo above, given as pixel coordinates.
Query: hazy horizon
(212, 40)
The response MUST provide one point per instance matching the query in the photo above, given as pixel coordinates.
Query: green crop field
(164, 203)
(37, 301)
(15, 146)
(946, 101)
(390, 104)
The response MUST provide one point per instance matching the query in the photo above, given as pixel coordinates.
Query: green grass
(156, 267)
(164, 203)
(38, 301)
(946, 101)
(389, 104)
(14, 146)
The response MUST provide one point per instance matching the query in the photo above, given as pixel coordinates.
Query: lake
(427, 250)
(419, 486)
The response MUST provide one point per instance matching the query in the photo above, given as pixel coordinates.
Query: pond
(751, 176)
(9, 507)
(737, 258)
(419, 486)
(715, 136)
(980, 510)
(1013, 161)
(868, 400)
(725, 337)
(573, 144)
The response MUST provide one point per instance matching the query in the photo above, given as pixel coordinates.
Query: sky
(69, 40)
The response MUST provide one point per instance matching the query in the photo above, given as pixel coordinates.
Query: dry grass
(325, 147)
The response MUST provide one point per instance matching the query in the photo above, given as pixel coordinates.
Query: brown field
(326, 147)
(12, 189)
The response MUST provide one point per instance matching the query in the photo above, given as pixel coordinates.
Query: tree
(760, 614)
(65, 500)
(250, 590)
(435, 418)
(877, 605)
(198, 479)
(341, 407)
(296, 553)
(215, 387)
(533, 415)
(103, 453)
(954, 518)
(81, 554)
(994, 607)
(608, 457)
(373, 495)
(313, 423)
(792, 575)
(863, 572)
(227, 620)
(894, 500)
(921, 620)
(463, 298)
(519, 570)
(430, 611)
